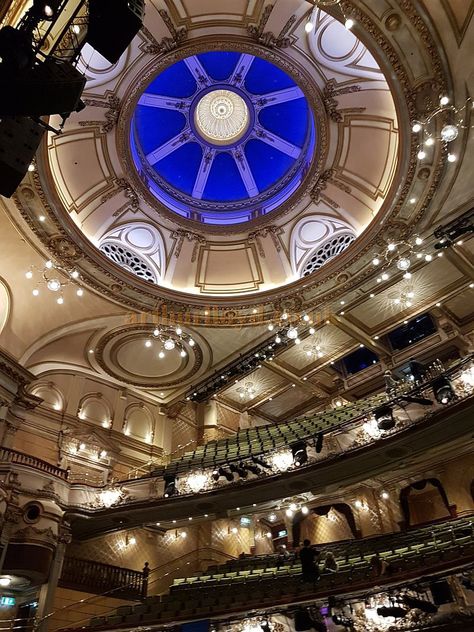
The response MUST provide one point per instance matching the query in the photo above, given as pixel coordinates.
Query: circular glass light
(161, 355)
(182, 353)
(444, 100)
(54, 285)
(75, 274)
(35, 292)
(148, 343)
(385, 276)
(60, 300)
(349, 23)
(309, 26)
(179, 331)
(191, 342)
(292, 333)
(429, 141)
(416, 127)
(418, 241)
(403, 263)
(312, 330)
(80, 292)
(451, 158)
(49, 264)
(421, 154)
(29, 274)
(278, 340)
(221, 117)
(375, 261)
(169, 344)
(271, 327)
(449, 133)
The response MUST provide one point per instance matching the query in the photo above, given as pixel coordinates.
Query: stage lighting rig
(300, 456)
(443, 390)
(453, 232)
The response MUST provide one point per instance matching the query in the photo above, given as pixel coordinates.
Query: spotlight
(170, 485)
(384, 418)
(45, 10)
(226, 473)
(300, 455)
(261, 462)
(239, 470)
(443, 390)
(420, 604)
(340, 619)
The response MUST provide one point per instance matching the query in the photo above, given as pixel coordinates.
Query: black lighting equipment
(303, 621)
(443, 390)
(300, 456)
(226, 473)
(384, 418)
(319, 442)
(113, 24)
(253, 468)
(261, 462)
(420, 604)
(392, 611)
(45, 9)
(455, 230)
(441, 592)
(16, 51)
(340, 619)
(170, 485)
(19, 140)
(265, 626)
(238, 469)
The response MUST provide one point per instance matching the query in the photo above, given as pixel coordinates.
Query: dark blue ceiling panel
(175, 81)
(266, 163)
(152, 132)
(224, 183)
(189, 158)
(264, 77)
(219, 66)
(288, 120)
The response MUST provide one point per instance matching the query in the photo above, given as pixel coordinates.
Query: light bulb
(48, 11)
(31, 166)
(29, 274)
(407, 275)
(309, 26)
(76, 29)
(391, 247)
(191, 342)
(42, 218)
(429, 141)
(411, 294)
(48, 264)
(451, 158)
(428, 258)
(169, 344)
(349, 23)
(161, 355)
(182, 353)
(444, 100)
(75, 274)
(80, 292)
(403, 263)
(5, 581)
(421, 154)
(148, 343)
(418, 241)
(179, 331)
(385, 276)
(292, 333)
(312, 331)
(416, 127)
(60, 300)
(156, 332)
(284, 316)
(375, 261)
(54, 285)
(277, 340)
(412, 200)
(449, 133)
(271, 327)
(306, 318)
(297, 341)
(35, 292)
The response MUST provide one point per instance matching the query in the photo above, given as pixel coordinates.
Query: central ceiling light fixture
(55, 277)
(170, 339)
(247, 391)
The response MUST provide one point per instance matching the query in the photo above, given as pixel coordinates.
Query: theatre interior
(236, 315)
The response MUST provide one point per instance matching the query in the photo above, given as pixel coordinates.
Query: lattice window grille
(128, 260)
(327, 251)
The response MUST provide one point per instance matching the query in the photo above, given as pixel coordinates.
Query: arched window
(128, 260)
(329, 249)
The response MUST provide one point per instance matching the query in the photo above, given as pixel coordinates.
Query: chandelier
(404, 298)
(290, 326)
(313, 350)
(169, 339)
(325, 4)
(449, 131)
(401, 254)
(247, 391)
(54, 277)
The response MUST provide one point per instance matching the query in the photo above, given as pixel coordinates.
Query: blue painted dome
(222, 137)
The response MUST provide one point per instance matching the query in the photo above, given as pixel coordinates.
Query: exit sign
(7, 601)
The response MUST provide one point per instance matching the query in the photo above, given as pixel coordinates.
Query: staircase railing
(91, 576)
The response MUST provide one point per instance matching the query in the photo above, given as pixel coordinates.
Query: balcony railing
(20, 458)
(97, 578)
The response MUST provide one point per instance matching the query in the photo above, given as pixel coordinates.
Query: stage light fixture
(319, 442)
(393, 611)
(443, 391)
(261, 462)
(170, 485)
(420, 604)
(300, 455)
(384, 418)
(226, 474)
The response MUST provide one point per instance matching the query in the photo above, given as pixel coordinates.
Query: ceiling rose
(221, 117)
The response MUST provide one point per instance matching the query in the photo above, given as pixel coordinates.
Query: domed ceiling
(220, 168)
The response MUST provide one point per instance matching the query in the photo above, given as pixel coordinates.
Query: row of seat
(356, 552)
(266, 589)
(263, 439)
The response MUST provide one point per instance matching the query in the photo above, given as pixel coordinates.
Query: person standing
(309, 556)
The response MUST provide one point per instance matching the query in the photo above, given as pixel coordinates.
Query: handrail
(90, 574)
(7, 455)
(110, 593)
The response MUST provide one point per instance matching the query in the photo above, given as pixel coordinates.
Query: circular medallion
(221, 117)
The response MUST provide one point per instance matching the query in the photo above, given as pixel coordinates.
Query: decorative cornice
(166, 44)
(331, 91)
(111, 115)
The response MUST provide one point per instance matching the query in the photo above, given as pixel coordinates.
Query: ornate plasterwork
(300, 76)
(108, 357)
(317, 288)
